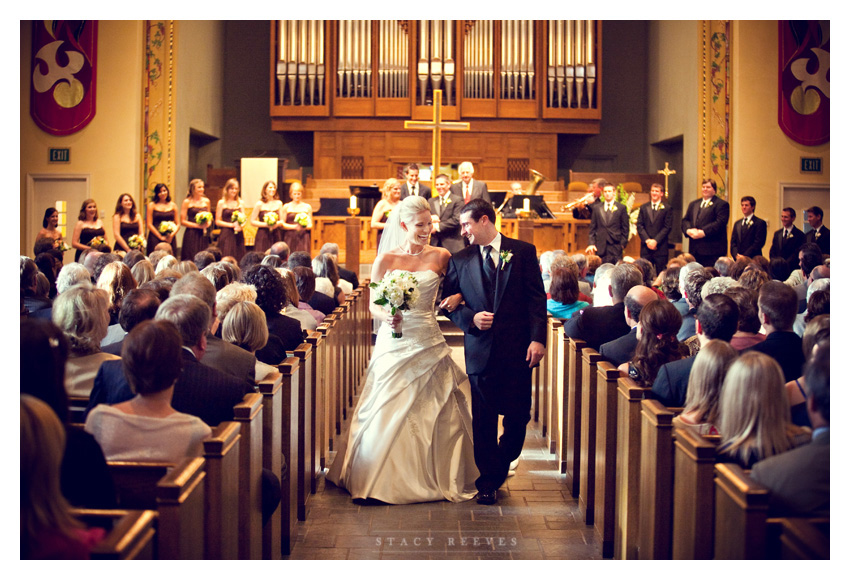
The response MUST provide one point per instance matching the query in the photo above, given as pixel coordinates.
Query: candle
(352, 202)
(526, 204)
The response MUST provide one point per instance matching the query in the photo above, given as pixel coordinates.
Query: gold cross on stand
(437, 126)
(667, 172)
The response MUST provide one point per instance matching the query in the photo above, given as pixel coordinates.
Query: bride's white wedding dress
(410, 437)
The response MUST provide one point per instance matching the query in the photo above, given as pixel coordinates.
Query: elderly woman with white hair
(82, 314)
(71, 275)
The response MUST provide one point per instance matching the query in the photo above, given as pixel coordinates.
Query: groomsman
(787, 239)
(445, 216)
(411, 185)
(609, 227)
(654, 222)
(468, 188)
(705, 225)
(749, 233)
(819, 234)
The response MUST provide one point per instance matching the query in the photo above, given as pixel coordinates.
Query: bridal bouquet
(271, 218)
(398, 290)
(203, 218)
(136, 242)
(303, 220)
(167, 228)
(238, 217)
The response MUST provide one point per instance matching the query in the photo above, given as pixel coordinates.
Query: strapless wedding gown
(410, 437)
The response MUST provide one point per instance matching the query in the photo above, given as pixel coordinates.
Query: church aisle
(535, 519)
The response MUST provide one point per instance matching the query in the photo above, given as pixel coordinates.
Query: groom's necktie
(489, 268)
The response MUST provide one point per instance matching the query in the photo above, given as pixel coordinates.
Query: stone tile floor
(535, 519)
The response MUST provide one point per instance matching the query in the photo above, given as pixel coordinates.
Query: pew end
(130, 534)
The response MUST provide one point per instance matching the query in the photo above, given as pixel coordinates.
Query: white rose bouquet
(203, 218)
(136, 242)
(167, 228)
(303, 220)
(271, 218)
(398, 290)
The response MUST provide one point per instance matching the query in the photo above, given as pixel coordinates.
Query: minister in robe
(654, 222)
(705, 225)
(468, 188)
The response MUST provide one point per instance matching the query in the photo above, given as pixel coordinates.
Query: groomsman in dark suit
(411, 185)
(445, 216)
(705, 225)
(468, 188)
(609, 228)
(819, 234)
(654, 222)
(749, 233)
(788, 239)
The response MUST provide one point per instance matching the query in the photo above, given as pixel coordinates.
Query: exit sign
(811, 165)
(59, 155)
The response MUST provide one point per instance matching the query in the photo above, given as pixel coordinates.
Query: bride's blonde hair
(410, 206)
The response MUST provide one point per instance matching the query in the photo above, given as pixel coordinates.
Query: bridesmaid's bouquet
(203, 218)
(136, 242)
(238, 217)
(398, 290)
(271, 218)
(167, 228)
(302, 219)
(60, 245)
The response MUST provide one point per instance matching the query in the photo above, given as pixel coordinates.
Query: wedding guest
(155, 256)
(138, 305)
(126, 222)
(117, 280)
(231, 295)
(564, 301)
(777, 305)
(281, 250)
(147, 427)
(815, 305)
(161, 209)
(185, 266)
(89, 229)
(692, 293)
(271, 298)
(273, 261)
(48, 530)
(621, 350)
(723, 265)
(656, 342)
(324, 303)
(817, 333)
(325, 269)
(132, 258)
(670, 285)
(749, 325)
(251, 258)
(203, 259)
(50, 267)
(81, 313)
(468, 188)
(166, 263)
(245, 326)
(71, 275)
(305, 282)
(293, 299)
(85, 478)
(593, 263)
(754, 419)
(704, 384)
(753, 278)
(390, 197)
(347, 275)
(142, 272)
(31, 301)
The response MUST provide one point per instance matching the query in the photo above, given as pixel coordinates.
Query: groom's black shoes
(486, 497)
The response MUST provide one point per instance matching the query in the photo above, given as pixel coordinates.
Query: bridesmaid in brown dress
(161, 209)
(231, 241)
(87, 229)
(297, 236)
(126, 222)
(269, 204)
(195, 237)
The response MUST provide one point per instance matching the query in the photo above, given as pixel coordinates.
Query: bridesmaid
(297, 236)
(391, 194)
(161, 209)
(50, 227)
(231, 241)
(87, 229)
(195, 237)
(126, 222)
(269, 203)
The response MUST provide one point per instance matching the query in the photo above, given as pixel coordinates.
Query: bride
(410, 437)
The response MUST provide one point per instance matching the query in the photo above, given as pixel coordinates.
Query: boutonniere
(446, 200)
(817, 234)
(506, 256)
(613, 207)
(660, 206)
(711, 203)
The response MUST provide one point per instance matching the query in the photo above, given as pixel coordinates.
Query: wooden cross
(667, 173)
(437, 126)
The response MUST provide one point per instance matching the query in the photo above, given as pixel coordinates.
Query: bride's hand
(393, 319)
(451, 303)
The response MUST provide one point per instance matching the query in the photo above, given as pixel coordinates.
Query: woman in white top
(147, 428)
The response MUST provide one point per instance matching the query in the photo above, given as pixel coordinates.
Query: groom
(503, 317)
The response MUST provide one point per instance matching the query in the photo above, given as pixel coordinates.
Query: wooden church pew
(271, 390)
(693, 495)
(317, 395)
(249, 415)
(573, 404)
(221, 451)
(325, 414)
(305, 471)
(563, 347)
(607, 381)
(289, 449)
(554, 372)
(587, 481)
(803, 539)
(131, 534)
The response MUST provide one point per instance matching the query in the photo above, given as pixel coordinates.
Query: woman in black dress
(297, 235)
(161, 209)
(195, 237)
(88, 229)
(231, 241)
(126, 222)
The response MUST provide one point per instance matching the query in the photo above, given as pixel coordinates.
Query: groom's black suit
(499, 375)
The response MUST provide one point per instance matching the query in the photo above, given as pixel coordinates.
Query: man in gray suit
(445, 216)
(411, 185)
(799, 479)
(468, 188)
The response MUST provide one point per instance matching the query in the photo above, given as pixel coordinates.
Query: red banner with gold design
(804, 80)
(63, 80)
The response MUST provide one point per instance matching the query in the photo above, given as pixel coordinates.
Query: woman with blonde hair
(245, 326)
(82, 314)
(704, 384)
(231, 241)
(754, 419)
(390, 197)
(297, 220)
(195, 237)
(142, 272)
(231, 295)
(267, 218)
(117, 280)
(48, 530)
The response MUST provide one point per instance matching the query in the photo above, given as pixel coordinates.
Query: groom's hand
(483, 320)
(536, 351)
